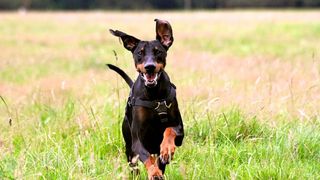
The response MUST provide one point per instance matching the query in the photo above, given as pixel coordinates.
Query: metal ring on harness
(158, 105)
(165, 103)
(168, 106)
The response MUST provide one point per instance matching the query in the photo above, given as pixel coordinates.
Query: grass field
(248, 89)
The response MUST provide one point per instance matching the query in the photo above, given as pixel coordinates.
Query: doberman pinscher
(152, 123)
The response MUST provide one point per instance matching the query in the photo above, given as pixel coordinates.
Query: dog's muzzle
(151, 79)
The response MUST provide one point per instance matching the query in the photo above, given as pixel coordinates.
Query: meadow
(248, 86)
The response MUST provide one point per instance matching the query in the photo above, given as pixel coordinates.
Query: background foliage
(152, 4)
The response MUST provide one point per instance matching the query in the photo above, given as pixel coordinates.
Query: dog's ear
(164, 33)
(129, 42)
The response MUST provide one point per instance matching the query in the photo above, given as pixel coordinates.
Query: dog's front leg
(172, 136)
(167, 146)
(153, 169)
(149, 161)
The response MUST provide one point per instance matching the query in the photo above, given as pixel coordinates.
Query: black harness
(161, 107)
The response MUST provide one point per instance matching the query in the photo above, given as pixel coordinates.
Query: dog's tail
(121, 73)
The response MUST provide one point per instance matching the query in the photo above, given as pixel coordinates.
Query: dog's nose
(150, 67)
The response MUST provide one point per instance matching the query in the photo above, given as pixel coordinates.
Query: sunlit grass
(288, 41)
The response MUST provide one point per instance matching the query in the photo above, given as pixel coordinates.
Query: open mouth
(150, 79)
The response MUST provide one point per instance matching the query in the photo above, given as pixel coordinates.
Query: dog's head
(149, 56)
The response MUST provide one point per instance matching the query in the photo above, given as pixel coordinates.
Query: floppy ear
(164, 33)
(129, 42)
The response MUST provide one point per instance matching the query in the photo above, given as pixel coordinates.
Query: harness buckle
(162, 109)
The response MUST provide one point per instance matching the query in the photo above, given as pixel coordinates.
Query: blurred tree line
(152, 4)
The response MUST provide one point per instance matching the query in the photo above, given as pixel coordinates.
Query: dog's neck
(160, 91)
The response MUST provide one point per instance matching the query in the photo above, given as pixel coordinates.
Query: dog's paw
(154, 173)
(133, 164)
(166, 152)
(135, 171)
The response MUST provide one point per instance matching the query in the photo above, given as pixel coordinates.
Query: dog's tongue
(150, 77)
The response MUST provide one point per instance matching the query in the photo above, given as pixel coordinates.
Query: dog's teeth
(150, 79)
(144, 76)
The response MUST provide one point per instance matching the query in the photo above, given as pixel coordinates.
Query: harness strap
(161, 106)
(146, 104)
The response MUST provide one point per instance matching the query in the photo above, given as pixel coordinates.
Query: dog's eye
(140, 53)
(157, 52)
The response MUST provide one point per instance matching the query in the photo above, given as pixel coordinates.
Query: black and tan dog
(152, 122)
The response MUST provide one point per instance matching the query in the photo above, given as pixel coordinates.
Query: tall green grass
(218, 145)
